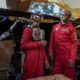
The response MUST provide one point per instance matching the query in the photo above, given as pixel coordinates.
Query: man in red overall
(63, 41)
(35, 55)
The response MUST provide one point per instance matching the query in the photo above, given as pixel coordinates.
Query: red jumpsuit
(34, 56)
(64, 41)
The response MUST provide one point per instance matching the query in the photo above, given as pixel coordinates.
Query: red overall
(64, 40)
(34, 56)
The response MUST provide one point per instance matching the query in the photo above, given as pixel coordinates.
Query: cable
(3, 18)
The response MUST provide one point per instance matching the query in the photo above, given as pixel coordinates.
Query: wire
(3, 18)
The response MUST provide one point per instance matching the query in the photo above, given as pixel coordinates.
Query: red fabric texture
(35, 56)
(64, 41)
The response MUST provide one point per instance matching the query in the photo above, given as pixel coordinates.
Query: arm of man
(74, 45)
(51, 44)
(26, 42)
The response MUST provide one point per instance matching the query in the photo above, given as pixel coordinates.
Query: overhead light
(52, 0)
(23, 0)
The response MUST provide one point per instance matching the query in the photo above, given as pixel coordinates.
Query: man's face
(37, 21)
(64, 17)
(36, 24)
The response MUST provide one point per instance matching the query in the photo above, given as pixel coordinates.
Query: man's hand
(70, 64)
(44, 43)
(51, 61)
(52, 57)
(47, 64)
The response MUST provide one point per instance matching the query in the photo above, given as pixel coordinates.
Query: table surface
(51, 77)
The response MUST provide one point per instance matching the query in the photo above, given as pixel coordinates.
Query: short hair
(37, 17)
(67, 12)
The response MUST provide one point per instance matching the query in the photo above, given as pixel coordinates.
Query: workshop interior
(11, 30)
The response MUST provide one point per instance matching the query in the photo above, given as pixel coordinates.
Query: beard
(63, 20)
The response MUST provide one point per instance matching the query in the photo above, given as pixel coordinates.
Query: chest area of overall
(62, 32)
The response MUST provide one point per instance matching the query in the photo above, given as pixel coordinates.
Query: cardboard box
(52, 77)
(6, 51)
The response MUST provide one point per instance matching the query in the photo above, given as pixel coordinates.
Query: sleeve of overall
(51, 43)
(26, 42)
(74, 44)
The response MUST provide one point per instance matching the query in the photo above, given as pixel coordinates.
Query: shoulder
(56, 25)
(71, 26)
(27, 29)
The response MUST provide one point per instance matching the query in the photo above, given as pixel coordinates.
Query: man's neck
(63, 23)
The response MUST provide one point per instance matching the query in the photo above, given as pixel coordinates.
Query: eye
(64, 15)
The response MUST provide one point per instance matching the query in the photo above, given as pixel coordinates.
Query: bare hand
(70, 64)
(52, 57)
(47, 65)
(44, 43)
